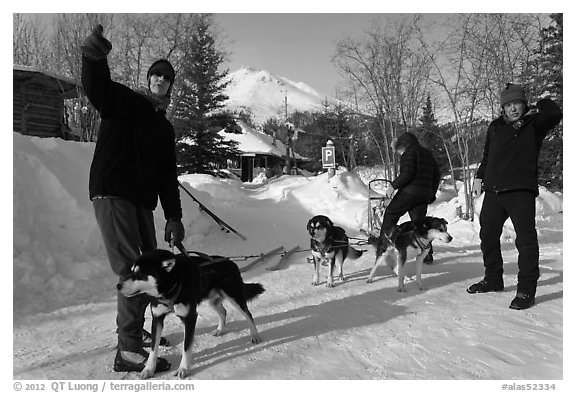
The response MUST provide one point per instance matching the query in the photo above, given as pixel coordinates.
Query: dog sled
(377, 203)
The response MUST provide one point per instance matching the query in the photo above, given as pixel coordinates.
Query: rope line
(239, 258)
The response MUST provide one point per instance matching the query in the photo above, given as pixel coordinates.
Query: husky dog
(410, 240)
(179, 283)
(329, 245)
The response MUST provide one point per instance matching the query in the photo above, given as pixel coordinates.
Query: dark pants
(520, 207)
(403, 203)
(127, 231)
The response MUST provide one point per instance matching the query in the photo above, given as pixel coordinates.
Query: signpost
(329, 158)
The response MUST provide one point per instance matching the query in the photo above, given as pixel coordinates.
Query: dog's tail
(380, 245)
(354, 253)
(251, 290)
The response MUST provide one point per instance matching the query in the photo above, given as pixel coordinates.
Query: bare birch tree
(388, 76)
(29, 40)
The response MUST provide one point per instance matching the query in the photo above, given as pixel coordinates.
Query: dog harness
(423, 243)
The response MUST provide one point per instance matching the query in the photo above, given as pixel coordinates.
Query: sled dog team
(179, 283)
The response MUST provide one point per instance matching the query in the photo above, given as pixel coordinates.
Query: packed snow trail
(353, 331)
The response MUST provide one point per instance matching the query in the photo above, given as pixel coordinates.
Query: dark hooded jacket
(419, 173)
(511, 150)
(135, 155)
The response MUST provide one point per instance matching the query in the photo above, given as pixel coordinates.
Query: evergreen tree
(548, 82)
(199, 116)
(430, 137)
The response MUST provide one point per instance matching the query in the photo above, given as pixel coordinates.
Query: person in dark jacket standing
(415, 186)
(508, 174)
(134, 165)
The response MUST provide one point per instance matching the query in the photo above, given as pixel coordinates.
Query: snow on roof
(252, 142)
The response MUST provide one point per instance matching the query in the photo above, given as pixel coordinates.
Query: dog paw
(182, 373)
(330, 285)
(256, 340)
(402, 289)
(315, 283)
(146, 373)
(218, 333)
(422, 288)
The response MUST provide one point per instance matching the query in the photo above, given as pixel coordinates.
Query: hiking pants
(127, 231)
(520, 207)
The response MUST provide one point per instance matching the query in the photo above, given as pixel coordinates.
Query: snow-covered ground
(64, 292)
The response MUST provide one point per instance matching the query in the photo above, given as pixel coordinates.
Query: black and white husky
(410, 240)
(330, 246)
(179, 283)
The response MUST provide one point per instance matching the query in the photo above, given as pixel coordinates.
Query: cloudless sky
(297, 46)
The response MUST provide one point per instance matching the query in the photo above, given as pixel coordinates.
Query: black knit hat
(512, 92)
(164, 68)
(404, 140)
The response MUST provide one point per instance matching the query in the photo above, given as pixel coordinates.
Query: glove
(174, 232)
(477, 188)
(95, 46)
(389, 191)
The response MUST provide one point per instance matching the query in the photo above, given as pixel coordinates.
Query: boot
(522, 301)
(485, 286)
(125, 365)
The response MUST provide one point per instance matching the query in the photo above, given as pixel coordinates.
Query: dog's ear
(169, 264)
(309, 225)
(329, 222)
(444, 221)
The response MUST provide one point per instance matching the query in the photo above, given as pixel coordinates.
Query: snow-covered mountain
(265, 95)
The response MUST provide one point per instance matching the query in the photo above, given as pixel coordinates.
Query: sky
(297, 46)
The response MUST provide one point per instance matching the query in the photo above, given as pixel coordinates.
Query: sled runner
(261, 259)
(285, 256)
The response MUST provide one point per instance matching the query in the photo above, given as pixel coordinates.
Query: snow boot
(485, 286)
(522, 301)
(124, 365)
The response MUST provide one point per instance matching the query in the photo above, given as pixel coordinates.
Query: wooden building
(258, 151)
(38, 102)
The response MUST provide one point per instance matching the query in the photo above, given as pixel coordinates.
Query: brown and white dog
(410, 240)
(329, 245)
(178, 283)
